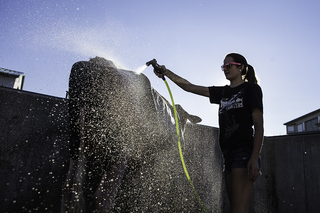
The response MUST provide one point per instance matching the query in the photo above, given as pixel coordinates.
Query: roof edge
(310, 113)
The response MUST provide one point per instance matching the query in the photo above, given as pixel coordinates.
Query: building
(306, 123)
(12, 79)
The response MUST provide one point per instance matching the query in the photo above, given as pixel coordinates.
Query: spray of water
(107, 41)
(141, 69)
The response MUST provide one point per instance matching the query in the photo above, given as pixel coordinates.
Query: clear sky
(191, 37)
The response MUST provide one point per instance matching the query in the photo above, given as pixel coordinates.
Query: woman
(240, 108)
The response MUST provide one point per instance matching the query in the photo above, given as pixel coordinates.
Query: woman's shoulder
(217, 87)
(252, 85)
(253, 88)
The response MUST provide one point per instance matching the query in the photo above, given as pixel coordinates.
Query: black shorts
(237, 158)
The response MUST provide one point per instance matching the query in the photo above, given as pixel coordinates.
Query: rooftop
(10, 72)
(296, 119)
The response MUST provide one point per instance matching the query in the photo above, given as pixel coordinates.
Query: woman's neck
(236, 82)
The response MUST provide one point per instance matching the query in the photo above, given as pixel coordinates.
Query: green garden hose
(158, 70)
(179, 145)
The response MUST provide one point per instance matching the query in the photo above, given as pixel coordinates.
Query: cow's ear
(194, 119)
(185, 115)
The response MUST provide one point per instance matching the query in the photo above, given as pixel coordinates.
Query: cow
(116, 117)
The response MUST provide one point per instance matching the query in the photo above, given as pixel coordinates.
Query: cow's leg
(66, 188)
(107, 191)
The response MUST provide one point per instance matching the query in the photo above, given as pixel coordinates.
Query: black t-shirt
(235, 113)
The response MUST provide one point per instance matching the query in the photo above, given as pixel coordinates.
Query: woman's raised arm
(183, 83)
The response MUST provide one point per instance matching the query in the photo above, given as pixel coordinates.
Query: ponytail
(250, 75)
(248, 71)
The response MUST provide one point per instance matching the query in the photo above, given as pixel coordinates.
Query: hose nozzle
(153, 62)
(156, 66)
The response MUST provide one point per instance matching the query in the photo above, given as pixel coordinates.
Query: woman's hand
(163, 71)
(253, 169)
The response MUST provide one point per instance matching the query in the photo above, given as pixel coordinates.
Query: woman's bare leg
(228, 180)
(241, 190)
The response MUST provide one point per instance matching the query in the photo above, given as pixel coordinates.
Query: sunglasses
(228, 65)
